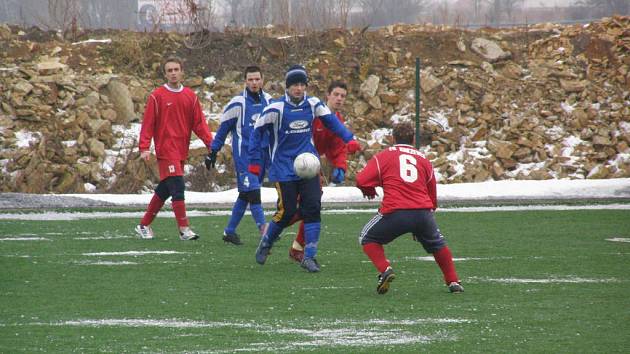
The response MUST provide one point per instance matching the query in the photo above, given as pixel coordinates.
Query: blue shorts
(247, 181)
(384, 228)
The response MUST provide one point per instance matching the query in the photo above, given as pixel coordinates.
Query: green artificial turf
(535, 282)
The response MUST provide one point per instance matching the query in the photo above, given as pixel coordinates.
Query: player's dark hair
(251, 69)
(403, 133)
(337, 83)
(173, 59)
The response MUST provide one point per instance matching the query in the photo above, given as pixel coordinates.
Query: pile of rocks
(537, 103)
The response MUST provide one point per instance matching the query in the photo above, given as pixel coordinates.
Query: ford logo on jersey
(298, 124)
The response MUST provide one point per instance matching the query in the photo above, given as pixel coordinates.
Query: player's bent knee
(433, 246)
(312, 217)
(286, 218)
(162, 191)
(176, 187)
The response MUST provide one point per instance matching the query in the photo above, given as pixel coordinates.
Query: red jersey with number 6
(406, 177)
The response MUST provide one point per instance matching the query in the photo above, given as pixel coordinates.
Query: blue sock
(237, 214)
(272, 234)
(311, 238)
(258, 214)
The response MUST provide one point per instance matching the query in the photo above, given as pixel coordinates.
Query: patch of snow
(107, 263)
(25, 138)
(552, 280)
(210, 80)
(525, 169)
(131, 253)
(555, 133)
(568, 108)
(440, 118)
(379, 135)
(105, 41)
(24, 239)
(399, 118)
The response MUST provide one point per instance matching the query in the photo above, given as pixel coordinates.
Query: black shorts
(307, 192)
(383, 229)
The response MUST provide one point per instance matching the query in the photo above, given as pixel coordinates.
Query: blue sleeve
(259, 138)
(228, 122)
(219, 137)
(332, 122)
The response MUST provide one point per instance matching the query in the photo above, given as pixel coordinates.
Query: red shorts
(170, 168)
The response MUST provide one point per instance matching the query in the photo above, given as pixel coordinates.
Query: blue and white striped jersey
(290, 129)
(238, 118)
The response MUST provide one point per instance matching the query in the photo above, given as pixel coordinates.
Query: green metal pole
(417, 144)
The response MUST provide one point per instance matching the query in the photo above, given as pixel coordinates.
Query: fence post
(417, 143)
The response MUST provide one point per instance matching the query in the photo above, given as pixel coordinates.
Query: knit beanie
(296, 74)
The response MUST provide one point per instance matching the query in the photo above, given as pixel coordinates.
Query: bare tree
(235, 11)
(64, 15)
(500, 7)
(345, 6)
(606, 7)
(477, 6)
(197, 19)
(109, 13)
(323, 13)
(381, 12)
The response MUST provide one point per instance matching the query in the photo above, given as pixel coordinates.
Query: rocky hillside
(541, 102)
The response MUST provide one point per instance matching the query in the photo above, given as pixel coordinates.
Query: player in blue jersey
(238, 119)
(289, 123)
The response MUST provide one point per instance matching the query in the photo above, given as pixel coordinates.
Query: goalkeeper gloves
(211, 160)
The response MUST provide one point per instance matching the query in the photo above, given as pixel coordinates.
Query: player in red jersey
(408, 204)
(331, 147)
(172, 113)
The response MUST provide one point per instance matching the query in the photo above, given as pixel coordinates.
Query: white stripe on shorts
(376, 218)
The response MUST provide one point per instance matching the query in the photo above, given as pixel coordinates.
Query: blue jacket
(290, 129)
(238, 118)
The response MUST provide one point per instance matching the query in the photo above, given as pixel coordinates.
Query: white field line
(618, 239)
(106, 263)
(336, 333)
(56, 216)
(462, 259)
(167, 323)
(24, 239)
(552, 280)
(332, 288)
(131, 253)
(101, 238)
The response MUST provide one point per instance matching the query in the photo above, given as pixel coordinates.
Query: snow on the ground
(483, 191)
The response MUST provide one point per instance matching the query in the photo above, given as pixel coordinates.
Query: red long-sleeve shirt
(406, 176)
(169, 119)
(329, 144)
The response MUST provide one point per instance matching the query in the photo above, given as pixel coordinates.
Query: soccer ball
(306, 165)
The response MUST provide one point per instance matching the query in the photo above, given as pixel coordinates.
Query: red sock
(376, 253)
(300, 235)
(179, 207)
(444, 259)
(154, 207)
(297, 217)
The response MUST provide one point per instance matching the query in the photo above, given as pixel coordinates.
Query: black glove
(211, 160)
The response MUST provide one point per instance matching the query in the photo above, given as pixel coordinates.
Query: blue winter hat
(296, 74)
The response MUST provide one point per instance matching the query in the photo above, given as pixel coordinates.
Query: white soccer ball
(306, 165)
